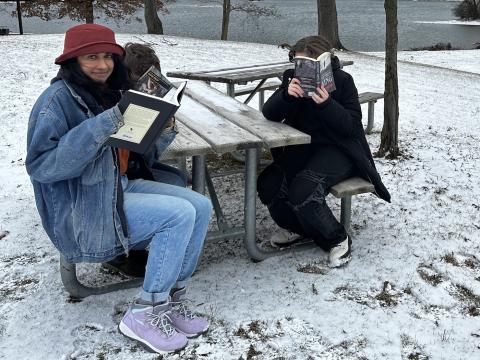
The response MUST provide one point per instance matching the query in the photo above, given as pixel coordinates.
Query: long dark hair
(105, 94)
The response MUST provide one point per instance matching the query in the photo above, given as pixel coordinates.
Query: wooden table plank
(186, 143)
(235, 75)
(220, 133)
(238, 75)
(273, 134)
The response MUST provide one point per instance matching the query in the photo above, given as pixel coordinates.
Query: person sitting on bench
(92, 211)
(295, 185)
(137, 60)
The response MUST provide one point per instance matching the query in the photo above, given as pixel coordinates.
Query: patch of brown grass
(432, 279)
(450, 259)
(312, 269)
(252, 352)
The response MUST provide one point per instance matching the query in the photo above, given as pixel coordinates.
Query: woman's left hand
(321, 95)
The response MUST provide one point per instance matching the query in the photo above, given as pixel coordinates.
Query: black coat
(337, 121)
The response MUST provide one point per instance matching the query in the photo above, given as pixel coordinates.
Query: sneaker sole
(125, 330)
(297, 241)
(340, 262)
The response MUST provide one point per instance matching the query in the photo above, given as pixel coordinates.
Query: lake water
(361, 23)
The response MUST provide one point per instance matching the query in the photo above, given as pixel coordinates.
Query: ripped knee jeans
(300, 206)
(306, 195)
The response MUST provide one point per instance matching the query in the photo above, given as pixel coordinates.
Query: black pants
(294, 188)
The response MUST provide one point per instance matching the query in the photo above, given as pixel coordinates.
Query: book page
(175, 94)
(137, 120)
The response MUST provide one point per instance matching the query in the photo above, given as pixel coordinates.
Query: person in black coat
(295, 185)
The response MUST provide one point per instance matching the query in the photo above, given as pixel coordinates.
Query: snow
(462, 60)
(412, 289)
(451, 22)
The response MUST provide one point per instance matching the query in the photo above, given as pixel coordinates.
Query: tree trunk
(328, 23)
(154, 24)
(225, 19)
(89, 12)
(389, 137)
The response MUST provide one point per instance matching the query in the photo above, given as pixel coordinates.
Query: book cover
(144, 118)
(153, 82)
(314, 72)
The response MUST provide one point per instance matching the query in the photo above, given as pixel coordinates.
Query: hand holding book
(295, 88)
(320, 95)
(145, 115)
(314, 73)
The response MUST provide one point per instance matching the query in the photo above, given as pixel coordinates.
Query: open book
(314, 72)
(145, 115)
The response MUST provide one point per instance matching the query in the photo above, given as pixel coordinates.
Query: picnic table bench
(212, 123)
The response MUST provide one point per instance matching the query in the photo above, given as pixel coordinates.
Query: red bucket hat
(88, 39)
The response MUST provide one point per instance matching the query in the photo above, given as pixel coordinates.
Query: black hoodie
(337, 121)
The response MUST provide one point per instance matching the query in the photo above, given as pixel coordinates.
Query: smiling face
(97, 67)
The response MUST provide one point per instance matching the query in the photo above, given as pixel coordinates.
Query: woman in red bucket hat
(88, 38)
(90, 207)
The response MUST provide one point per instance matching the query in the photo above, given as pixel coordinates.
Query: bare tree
(247, 7)
(328, 23)
(389, 137)
(84, 10)
(154, 24)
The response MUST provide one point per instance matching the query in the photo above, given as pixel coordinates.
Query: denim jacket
(74, 175)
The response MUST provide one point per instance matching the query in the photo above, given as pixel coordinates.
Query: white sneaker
(283, 238)
(341, 254)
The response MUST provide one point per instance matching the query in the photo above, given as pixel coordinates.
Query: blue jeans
(173, 221)
(168, 174)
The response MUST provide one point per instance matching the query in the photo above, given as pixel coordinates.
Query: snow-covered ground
(452, 22)
(462, 60)
(411, 291)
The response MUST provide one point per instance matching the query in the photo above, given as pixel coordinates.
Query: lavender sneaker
(183, 319)
(151, 326)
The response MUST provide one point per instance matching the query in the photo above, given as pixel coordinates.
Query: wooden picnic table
(240, 75)
(210, 122)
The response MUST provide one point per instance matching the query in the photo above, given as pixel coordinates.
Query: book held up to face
(146, 111)
(314, 72)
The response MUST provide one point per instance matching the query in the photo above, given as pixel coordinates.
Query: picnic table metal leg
(346, 212)
(231, 90)
(261, 99)
(371, 115)
(68, 273)
(221, 220)
(182, 164)
(198, 173)
(254, 91)
(250, 239)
